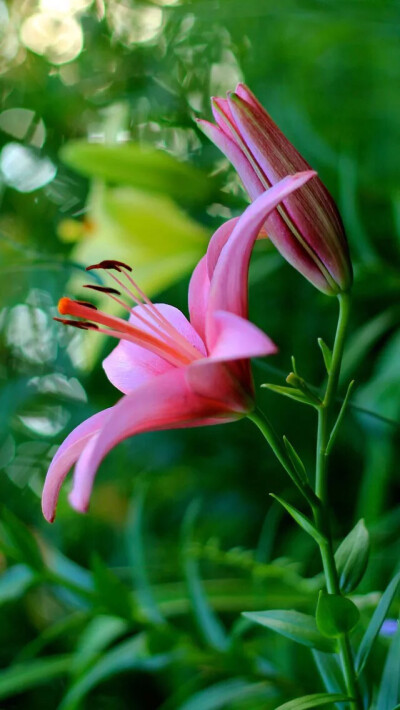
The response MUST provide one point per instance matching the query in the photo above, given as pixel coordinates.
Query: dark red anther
(109, 264)
(102, 289)
(87, 304)
(83, 325)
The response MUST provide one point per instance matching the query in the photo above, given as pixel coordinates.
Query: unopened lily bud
(306, 227)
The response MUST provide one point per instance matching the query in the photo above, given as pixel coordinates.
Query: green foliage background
(328, 73)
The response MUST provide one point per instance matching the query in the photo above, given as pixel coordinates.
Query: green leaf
(112, 594)
(329, 670)
(294, 625)
(336, 615)
(302, 520)
(351, 557)
(316, 700)
(208, 622)
(290, 392)
(376, 622)
(223, 694)
(98, 634)
(136, 555)
(141, 166)
(127, 656)
(24, 546)
(22, 677)
(298, 382)
(14, 582)
(326, 354)
(296, 461)
(339, 419)
(389, 691)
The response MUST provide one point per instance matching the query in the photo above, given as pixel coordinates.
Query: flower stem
(318, 500)
(321, 512)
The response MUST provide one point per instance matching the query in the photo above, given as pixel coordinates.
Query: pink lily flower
(306, 228)
(173, 373)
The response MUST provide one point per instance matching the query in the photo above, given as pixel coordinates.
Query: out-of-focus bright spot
(70, 230)
(49, 422)
(60, 386)
(23, 170)
(30, 334)
(9, 43)
(167, 3)
(31, 459)
(58, 37)
(20, 123)
(225, 74)
(64, 7)
(134, 25)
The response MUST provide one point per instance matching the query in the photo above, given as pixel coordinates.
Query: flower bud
(306, 227)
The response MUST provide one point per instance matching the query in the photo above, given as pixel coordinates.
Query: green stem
(318, 500)
(321, 513)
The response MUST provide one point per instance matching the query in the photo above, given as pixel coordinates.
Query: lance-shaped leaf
(303, 521)
(291, 392)
(326, 354)
(316, 700)
(336, 615)
(389, 691)
(140, 166)
(376, 622)
(295, 626)
(351, 557)
(296, 461)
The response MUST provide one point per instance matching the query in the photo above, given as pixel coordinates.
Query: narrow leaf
(23, 542)
(313, 701)
(207, 621)
(351, 557)
(338, 422)
(336, 615)
(141, 166)
(329, 670)
(14, 582)
(296, 460)
(224, 694)
(290, 392)
(298, 382)
(376, 622)
(127, 656)
(294, 625)
(302, 520)
(22, 677)
(136, 553)
(326, 354)
(112, 594)
(389, 691)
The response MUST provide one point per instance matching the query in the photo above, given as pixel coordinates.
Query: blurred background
(138, 603)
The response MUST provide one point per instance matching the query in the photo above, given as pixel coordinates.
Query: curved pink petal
(129, 365)
(236, 338)
(199, 287)
(217, 242)
(65, 457)
(229, 284)
(235, 155)
(163, 403)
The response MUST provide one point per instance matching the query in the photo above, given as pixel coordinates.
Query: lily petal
(199, 287)
(65, 457)
(236, 338)
(235, 155)
(166, 402)
(229, 285)
(129, 365)
(217, 242)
